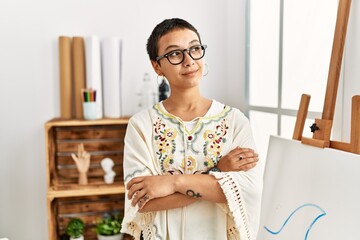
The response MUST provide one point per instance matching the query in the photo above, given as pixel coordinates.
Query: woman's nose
(188, 59)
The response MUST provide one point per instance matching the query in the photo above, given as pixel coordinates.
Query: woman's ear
(156, 67)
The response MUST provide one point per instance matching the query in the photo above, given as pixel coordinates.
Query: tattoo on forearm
(192, 194)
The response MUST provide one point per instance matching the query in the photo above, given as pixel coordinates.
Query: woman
(189, 167)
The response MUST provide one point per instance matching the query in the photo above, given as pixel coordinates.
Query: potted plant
(108, 228)
(75, 229)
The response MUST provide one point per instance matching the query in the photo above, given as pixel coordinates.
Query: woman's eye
(174, 54)
(195, 48)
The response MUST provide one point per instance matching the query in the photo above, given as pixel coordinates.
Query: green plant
(75, 228)
(109, 225)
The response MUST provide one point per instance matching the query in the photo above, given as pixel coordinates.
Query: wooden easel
(322, 127)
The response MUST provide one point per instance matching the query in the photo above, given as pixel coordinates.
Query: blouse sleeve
(243, 189)
(137, 161)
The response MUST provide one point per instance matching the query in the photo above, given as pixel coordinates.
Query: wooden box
(102, 139)
(65, 197)
(89, 209)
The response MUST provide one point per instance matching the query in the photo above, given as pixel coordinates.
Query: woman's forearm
(196, 186)
(200, 186)
(176, 200)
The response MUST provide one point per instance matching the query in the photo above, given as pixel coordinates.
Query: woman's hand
(238, 159)
(143, 189)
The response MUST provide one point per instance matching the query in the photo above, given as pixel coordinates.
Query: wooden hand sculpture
(82, 161)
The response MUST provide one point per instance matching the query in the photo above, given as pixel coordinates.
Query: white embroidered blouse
(158, 143)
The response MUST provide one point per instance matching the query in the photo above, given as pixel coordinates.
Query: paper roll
(78, 60)
(65, 77)
(93, 70)
(111, 70)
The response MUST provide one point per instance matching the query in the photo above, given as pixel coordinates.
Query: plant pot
(79, 238)
(119, 236)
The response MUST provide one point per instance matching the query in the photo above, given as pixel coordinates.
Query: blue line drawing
(323, 213)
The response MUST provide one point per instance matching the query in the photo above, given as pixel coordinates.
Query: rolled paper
(78, 60)
(111, 63)
(65, 77)
(93, 70)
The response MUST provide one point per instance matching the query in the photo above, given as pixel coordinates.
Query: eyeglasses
(176, 57)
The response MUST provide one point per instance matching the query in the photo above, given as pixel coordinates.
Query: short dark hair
(163, 28)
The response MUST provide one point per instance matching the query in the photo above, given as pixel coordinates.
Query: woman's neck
(187, 107)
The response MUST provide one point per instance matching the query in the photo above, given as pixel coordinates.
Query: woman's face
(186, 74)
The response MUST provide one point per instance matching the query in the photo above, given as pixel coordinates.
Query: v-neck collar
(165, 112)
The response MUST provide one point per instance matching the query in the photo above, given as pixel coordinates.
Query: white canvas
(309, 193)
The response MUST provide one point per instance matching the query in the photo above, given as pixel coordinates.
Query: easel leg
(355, 125)
(51, 220)
(301, 117)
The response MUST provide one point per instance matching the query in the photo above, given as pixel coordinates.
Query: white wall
(351, 67)
(29, 79)
(235, 65)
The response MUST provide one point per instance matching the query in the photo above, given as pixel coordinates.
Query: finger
(246, 151)
(248, 166)
(238, 151)
(83, 151)
(134, 188)
(143, 201)
(235, 152)
(81, 146)
(79, 150)
(138, 198)
(74, 157)
(248, 160)
(133, 181)
(244, 155)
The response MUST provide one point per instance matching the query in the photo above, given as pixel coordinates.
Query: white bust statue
(107, 164)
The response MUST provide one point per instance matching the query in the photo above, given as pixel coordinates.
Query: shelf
(58, 122)
(103, 138)
(116, 188)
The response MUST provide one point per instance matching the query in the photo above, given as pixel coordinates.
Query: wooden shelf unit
(101, 138)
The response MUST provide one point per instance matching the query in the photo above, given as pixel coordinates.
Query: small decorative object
(82, 161)
(163, 90)
(147, 93)
(107, 164)
(109, 228)
(75, 229)
(90, 105)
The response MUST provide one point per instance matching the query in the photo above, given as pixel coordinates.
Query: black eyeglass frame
(203, 47)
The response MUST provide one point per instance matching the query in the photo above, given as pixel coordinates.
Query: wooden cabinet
(65, 197)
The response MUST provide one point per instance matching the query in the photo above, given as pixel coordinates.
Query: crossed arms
(155, 193)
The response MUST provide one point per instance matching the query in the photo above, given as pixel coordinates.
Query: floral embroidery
(165, 144)
(208, 162)
(214, 141)
(209, 135)
(189, 164)
(168, 161)
(169, 132)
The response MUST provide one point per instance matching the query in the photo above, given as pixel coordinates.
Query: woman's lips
(190, 73)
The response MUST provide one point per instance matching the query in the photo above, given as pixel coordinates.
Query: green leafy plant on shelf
(75, 228)
(110, 225)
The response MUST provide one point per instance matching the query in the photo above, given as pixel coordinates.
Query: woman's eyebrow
(177, 46)
(195, 41)
(171, 46)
